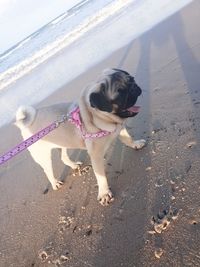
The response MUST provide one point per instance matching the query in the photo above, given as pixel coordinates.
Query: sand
(155, 218)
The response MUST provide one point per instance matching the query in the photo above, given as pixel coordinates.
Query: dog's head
(116, 93)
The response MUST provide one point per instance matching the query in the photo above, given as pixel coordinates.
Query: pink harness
(73, 117)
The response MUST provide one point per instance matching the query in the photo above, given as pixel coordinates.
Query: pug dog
(93, 123)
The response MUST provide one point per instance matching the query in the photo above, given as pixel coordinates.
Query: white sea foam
(76, 50)
(14, 73)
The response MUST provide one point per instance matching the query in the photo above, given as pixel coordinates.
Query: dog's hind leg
(44, 159)
(67, 161)
(128, 140)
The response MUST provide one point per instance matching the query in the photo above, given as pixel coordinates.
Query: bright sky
(20, 18)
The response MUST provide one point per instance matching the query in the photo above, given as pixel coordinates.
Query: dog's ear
(100, 100)
(110, 71)
(119, 70)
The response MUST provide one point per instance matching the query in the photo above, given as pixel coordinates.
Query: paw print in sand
(162, 220)
(81, 170)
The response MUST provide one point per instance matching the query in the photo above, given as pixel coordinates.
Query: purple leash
(73, 117)
(31, 140)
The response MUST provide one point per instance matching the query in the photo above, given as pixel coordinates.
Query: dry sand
(69, 227)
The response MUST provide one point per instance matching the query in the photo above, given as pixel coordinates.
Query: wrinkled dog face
(117, 93)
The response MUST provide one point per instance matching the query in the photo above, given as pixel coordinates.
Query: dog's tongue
(134, 109)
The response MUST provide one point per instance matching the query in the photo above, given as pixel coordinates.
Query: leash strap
(73, 117)
(31, 140)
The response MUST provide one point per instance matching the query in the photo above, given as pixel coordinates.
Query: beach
(155, 218)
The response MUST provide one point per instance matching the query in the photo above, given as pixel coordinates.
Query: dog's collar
(75, 118)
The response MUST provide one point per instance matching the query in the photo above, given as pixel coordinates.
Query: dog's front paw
(105, 198)
(138, 144)
(57, 185)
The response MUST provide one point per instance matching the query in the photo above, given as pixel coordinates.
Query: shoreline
(48, 69)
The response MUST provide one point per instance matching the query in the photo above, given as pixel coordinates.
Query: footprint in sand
(162, 220)
(81, 170)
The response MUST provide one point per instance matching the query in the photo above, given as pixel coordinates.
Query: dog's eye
(103, 88)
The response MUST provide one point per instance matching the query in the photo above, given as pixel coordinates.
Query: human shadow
(119, 244)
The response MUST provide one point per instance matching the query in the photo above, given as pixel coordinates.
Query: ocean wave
(50, 40)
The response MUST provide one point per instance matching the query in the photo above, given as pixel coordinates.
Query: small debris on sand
(152, 232)
(159, 182)
(64, 258)
(67, 221)
(158, 253)
(43, 255)
(148, 168)
(190, 144)
(193, 222)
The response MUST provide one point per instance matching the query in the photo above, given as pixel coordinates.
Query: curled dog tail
(25, 116)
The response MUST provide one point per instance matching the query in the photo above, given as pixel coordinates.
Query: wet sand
(155, 218)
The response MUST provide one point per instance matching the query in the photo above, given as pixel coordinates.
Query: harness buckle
(61, 120)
